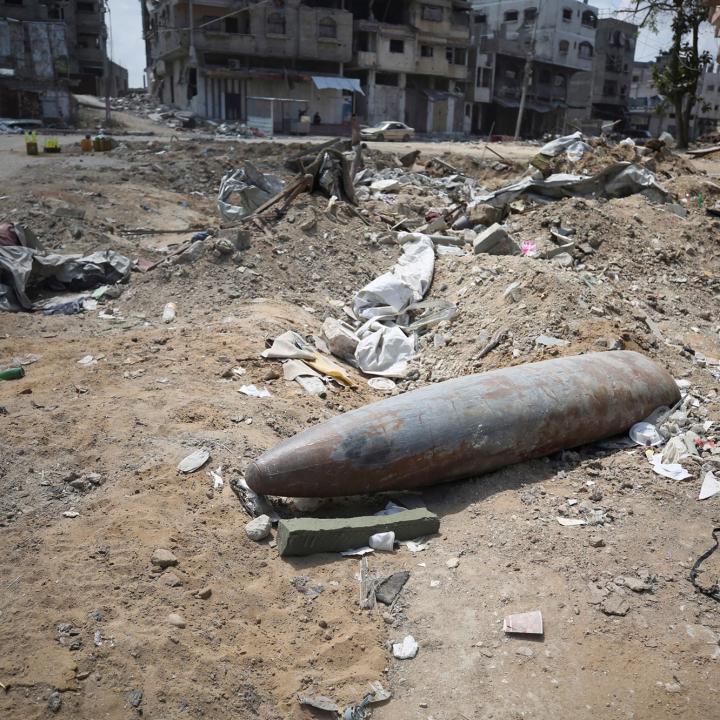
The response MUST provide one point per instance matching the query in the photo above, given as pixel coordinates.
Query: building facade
(540, 45)
(49, 49)
(412, 59)
(604, 92)
(382, 59)
(648, 110)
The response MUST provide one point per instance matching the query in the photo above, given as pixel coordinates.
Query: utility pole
(527, 76)
(106, 64)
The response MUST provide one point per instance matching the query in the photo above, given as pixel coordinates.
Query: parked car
(388, 130)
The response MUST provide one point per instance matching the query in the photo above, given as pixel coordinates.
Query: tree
(678, 79)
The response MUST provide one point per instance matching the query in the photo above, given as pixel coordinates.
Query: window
(327, 28)
(717, 107)
(610, 88)
(567, 15)
(56, 12)
(636, 78)
(529, 16)
(431, 12)
(13, 2)
(426, 51)
(397, 46)
(585, 50)
(486, 75)
(231, 25)
(480, 19)
(545, 76)
(366, 42)
(455, 56)
(564, 47)
(276, 23)
(623, 91)
(589, 19)
(510, 16)
(86, 7)
(711, 88)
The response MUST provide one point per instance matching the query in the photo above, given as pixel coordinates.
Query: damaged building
(603, 93)
(47, 51)
(540, 46)
(307, 66)
(411, 57)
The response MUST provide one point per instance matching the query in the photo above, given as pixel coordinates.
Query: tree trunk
(682, 122)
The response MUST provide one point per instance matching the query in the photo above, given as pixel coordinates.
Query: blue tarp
(337, 83)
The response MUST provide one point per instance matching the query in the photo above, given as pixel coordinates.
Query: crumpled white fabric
(384, 348)
(555, 147)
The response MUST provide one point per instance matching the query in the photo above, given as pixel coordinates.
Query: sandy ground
(84, 614)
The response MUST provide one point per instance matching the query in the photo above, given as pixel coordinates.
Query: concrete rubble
(147, 560)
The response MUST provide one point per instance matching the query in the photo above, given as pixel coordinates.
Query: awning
(537, 106)
(438, 95)
(337, 83)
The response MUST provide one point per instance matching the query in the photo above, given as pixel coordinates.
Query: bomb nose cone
(257, 477)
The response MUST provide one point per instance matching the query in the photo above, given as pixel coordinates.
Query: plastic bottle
(13, 373)
(169, 312)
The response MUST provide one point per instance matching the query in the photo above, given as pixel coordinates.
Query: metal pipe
(470, 425)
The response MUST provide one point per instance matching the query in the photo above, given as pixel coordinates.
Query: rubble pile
(261, 295)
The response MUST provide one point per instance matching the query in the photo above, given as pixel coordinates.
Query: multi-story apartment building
(603, 92)
(540, 44)
(383, 59)
(650, 111)
(412, 58)
(47, 49)
(218, 57)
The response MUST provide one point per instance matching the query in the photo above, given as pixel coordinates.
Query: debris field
(129, 586)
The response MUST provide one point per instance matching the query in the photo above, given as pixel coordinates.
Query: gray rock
(163, 558)
(636, 585)
(171, 580)
(495, 241)
(54, 702)
(205, 593)
(391, 586)
(258, 528)
(615, 605)
(135, 698)
(596, 541)
(176, 620)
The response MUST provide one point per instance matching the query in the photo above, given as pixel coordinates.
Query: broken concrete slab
(305, 536)
(391, 586)
(495, 241)
(386, 186)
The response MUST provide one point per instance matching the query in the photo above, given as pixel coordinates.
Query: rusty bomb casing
(467, 426)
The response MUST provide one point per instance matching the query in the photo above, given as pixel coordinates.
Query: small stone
(163, 558)
(258, 528)
(596, 541)
(615, 605)
(171, 580)
(524, 650)
(322, 623)
(54, 702)
(135, 698)
(387, 618)
(204, 594)
(636, 585)
(176, 620)
(452, 563)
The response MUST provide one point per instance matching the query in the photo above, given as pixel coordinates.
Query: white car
(388, 130)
